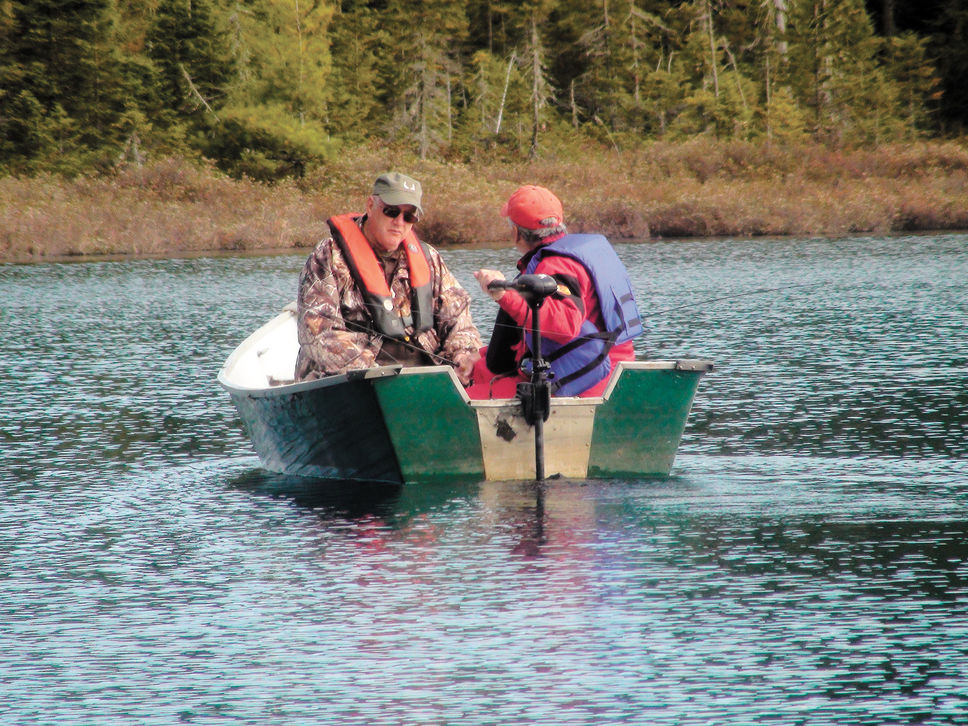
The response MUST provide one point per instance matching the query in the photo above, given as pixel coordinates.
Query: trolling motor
(535, 395)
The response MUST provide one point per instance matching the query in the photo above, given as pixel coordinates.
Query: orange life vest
(370, 278)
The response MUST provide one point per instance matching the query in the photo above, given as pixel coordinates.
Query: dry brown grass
(697, 188)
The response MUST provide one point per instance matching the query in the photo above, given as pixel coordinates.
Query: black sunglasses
(394, 212)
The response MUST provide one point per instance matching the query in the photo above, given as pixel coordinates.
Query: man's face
(384, 231)
(520, 244)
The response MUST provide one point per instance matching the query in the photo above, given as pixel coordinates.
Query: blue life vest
(582, 362)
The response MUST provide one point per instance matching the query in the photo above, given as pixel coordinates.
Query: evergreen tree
(906, 62)
(64, 93)
(835, 73)
(490, 26)
(421, 62)
(774, 58)
(356, 96)
(281, 51)
(272, 123)
(531, 20)
(950, 48)
(701, 60)
(603, 88)
(193, 63)
(269, 86)
(496, 89)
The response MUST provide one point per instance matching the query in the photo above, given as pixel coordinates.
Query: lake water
(806, 563)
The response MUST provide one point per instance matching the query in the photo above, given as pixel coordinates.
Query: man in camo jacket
(348, 320)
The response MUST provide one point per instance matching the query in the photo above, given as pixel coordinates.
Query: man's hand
(485, 277)
(464, 365)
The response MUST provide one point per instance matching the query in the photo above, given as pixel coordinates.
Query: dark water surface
(807, 562)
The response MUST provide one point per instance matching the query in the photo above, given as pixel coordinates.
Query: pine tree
(193, 63)
(65, 93)
(281, 50)
(422, 65)
(530, 20)
(355, 108)
(495, 87)
(272, 123)
(834, 72)
(906, 62)
(950, 41)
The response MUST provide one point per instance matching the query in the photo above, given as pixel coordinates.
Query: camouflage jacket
(335, 331)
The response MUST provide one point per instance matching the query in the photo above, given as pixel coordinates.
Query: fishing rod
(359, 327)
(353, 326)
(730, 297)
(697, 303)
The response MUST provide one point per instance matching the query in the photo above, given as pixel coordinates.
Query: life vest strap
(371, 279)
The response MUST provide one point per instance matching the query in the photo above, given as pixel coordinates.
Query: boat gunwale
(685, 365)
(253, 340)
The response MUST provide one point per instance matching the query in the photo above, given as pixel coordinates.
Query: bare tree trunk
(824, 65)
(739, 84)
(424, 99)
(535, 87)
(490, 29)
(769, 97)
(301, 75)
(197, 94)
(634, 45)
(574, 106)
(450, 114)
(504, 95)
(780, 16)
(712, 46)
(776, 47)
(888, 26)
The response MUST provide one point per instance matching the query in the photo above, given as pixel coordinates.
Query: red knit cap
(533, 207)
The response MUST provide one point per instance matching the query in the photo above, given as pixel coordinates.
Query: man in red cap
(586, 326)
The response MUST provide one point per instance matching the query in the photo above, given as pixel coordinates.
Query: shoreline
(693, 190)
(281, 251)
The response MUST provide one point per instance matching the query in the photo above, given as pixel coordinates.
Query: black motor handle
(533, 288)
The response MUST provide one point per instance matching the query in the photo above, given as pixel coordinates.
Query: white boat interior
(267, 357)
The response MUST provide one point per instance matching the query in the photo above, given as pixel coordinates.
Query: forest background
(172, 126)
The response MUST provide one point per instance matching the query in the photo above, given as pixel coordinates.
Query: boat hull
(417, 425)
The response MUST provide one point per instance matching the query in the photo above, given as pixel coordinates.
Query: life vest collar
(370, 278)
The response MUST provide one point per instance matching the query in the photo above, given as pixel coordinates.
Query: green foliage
(356, 106)
(191, 58)
(851, 98)
(782, 119)
(270, 87)
(266, 143)
(281, 52)
(64, 88)
(421, 62)
(950, 50)
(905, 59)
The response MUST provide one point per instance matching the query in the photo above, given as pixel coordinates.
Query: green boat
(417, 425)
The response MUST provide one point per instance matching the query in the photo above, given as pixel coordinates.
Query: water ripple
(805, 564)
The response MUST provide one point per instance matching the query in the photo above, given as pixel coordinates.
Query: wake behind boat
(417, 424)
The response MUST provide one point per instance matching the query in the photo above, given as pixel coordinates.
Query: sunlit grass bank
(699, 188)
